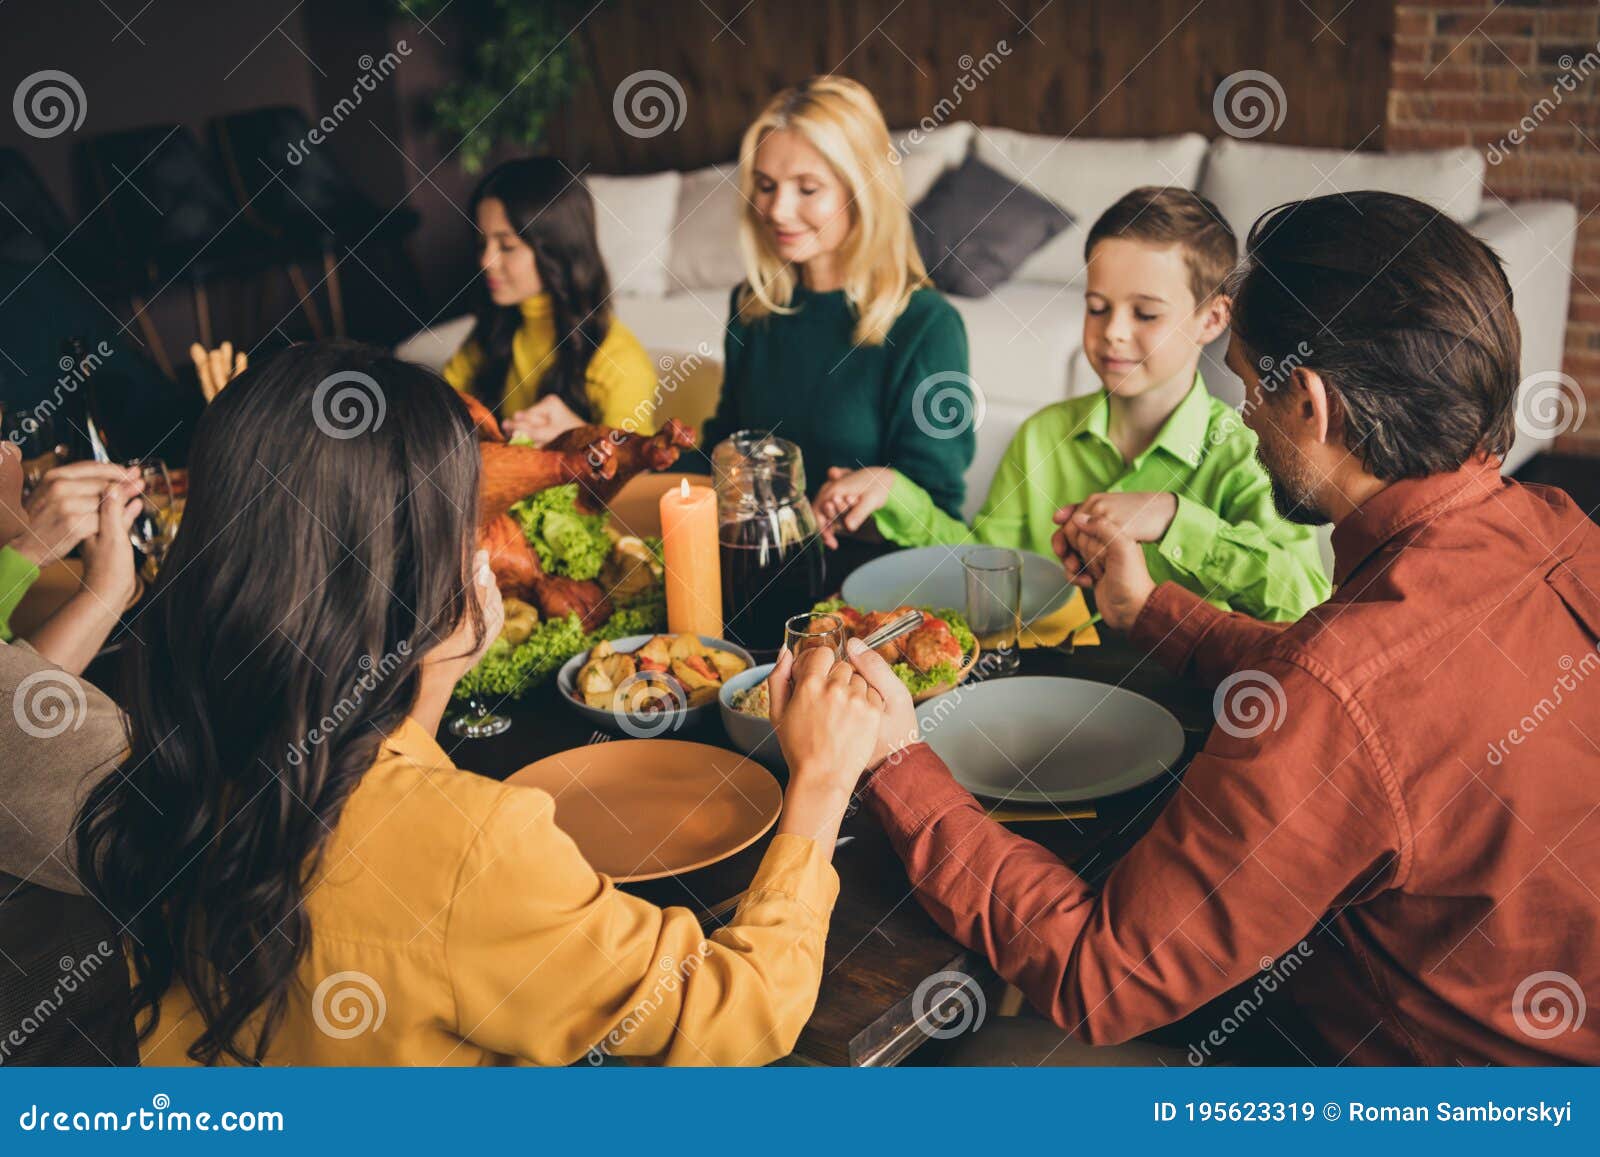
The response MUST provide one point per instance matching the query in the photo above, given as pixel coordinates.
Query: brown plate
(641, 809)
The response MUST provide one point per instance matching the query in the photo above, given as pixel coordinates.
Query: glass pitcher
(773, 561)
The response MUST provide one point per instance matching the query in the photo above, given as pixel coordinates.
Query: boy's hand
(1108, 558)
(851, 497)
(1143, 515)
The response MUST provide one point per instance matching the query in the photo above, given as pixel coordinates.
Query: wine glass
(156, 526)
(815, 629)
(478, 721)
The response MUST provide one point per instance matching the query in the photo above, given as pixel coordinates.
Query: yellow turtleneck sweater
(621, 381)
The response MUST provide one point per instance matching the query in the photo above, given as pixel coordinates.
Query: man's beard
(1292, 482)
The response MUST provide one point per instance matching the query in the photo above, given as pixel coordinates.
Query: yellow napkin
(1053, 629)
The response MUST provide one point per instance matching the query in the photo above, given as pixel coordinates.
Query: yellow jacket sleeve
(622, 382)
(548, 960)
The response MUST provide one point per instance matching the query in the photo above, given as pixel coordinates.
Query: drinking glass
(815, 629)
(994, 605)
(156, 526)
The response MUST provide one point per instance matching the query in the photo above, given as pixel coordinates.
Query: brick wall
(1467, 72)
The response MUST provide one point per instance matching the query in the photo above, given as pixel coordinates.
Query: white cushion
(925, 154)
(1245, 178)
(633, 217)
(1084, 177)
(703, 251)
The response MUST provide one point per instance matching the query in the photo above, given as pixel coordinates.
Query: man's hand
(1103, 555)
(64, 509)
(898, 727)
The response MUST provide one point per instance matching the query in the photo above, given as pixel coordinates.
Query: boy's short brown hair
(1172, 215)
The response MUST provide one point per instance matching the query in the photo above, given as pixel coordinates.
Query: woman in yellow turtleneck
(546, 354)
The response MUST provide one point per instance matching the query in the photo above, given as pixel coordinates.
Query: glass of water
(994, 605)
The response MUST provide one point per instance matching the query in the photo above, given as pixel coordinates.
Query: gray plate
(932, 576)
(1040, 739)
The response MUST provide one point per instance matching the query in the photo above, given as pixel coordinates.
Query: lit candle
(694, 571)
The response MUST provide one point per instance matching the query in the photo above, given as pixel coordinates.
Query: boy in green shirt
(1152, 450)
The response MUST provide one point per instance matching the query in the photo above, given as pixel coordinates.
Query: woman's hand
(544, 421)
(828, 719)
(216, 368)
(108, 564)
(64, 509)
(851, 497)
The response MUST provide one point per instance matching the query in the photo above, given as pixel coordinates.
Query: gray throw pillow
(977, 225)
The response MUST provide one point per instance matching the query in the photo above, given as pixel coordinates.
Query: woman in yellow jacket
(546, 354)
(304, 875)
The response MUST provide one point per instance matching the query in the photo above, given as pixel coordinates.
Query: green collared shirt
(1226, 542)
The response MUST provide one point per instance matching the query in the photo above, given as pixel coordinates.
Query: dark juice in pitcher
(764, 583)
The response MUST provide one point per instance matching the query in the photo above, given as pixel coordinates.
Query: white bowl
(656, 725)
(751, 734)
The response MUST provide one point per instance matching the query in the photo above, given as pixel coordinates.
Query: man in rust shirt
(1420, 771)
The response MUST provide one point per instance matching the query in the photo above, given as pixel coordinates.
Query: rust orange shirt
(1424, 786)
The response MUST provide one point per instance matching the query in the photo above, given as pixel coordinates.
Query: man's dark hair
(1405, 314)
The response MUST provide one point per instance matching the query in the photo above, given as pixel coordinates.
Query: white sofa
(668, 240)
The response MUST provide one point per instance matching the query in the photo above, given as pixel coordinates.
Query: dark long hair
(324, 551)
(552, 211)
(1405, 314)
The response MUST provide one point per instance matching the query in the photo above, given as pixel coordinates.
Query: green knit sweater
(905, 403)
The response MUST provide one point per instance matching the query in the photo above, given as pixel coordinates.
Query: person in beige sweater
(61, 735)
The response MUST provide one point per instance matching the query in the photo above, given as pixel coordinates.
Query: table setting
(666, 773)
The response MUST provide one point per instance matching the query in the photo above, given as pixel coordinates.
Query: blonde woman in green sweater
(836, 341)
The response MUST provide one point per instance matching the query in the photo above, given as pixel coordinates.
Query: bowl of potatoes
(645, 686)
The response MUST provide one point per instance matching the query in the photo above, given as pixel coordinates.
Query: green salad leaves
(568, 542)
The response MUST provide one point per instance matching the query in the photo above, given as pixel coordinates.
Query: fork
(1070, 644)
(600, 737)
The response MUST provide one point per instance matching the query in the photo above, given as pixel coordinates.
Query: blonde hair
(839, 118)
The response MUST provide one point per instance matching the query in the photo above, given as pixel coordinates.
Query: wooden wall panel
(1097, 68)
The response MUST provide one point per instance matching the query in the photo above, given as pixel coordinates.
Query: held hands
(1097, 552)
(64, 509)
(1142, 516)
(850, 497)
(544, 421)
(13, 518)
(827, 717)
(108, 567)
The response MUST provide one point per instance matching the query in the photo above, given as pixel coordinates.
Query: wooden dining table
(881, 944)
